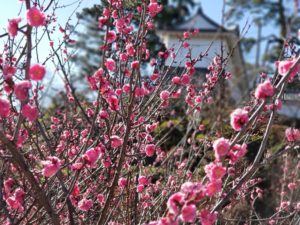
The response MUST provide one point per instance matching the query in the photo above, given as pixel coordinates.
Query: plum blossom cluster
(286, 65)
(292, 134)
(14, 197)
(36, 18)
(182, 206)
(115, 158)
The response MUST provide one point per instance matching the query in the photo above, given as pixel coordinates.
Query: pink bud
(100, 198)
(186, 35)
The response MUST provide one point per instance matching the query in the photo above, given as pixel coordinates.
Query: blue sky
(212, 8)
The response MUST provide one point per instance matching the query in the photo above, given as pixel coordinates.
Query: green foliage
(174, 12)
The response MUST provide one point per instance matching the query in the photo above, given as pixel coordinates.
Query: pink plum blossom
(9, 71)
(174, 202)
(21, 89)
(188, 213)
(103, 114)
(143, 180)
(213, 187)
(292, 186)
(135, 65)
(8, 185)
(123, 57)
(85, 204)
(37, 72)
(116, 141)
(122, 182)
(4, 107)
(139, 92)
(140, 188)
(19, 195)
(264, 90)
(113, 102)
(101, 198)
(186, 35)
(221, 147)
(215, 171)
(16, 200)
(150, 150)
(51, 166)
(111, 36)
(284, 67)
(237, 152)
(30, 112)
(207, 218)
(154, 8)
(14, 204)
(13, 26)
(193, 190)
(35, 17)
(292, 134)
(164, 95)
(110, 64)
(238, 118)
(185, 79)
(91, 156)
(176, 80)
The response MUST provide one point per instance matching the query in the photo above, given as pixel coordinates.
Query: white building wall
(197, 46)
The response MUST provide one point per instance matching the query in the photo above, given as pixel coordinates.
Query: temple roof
(198, 21)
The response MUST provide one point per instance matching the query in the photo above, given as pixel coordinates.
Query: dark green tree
(174, 12)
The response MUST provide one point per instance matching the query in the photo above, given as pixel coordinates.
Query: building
(219, 38)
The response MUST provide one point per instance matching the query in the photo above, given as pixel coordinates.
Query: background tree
(282, 14)
(89, 38)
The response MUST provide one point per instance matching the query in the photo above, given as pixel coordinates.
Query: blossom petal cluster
(51, 166)
(238, 118)
(13, 26)
(292, 134)
(4, 107)
(264, 90)
(35, 17)
(37, 72)
(284, 67)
